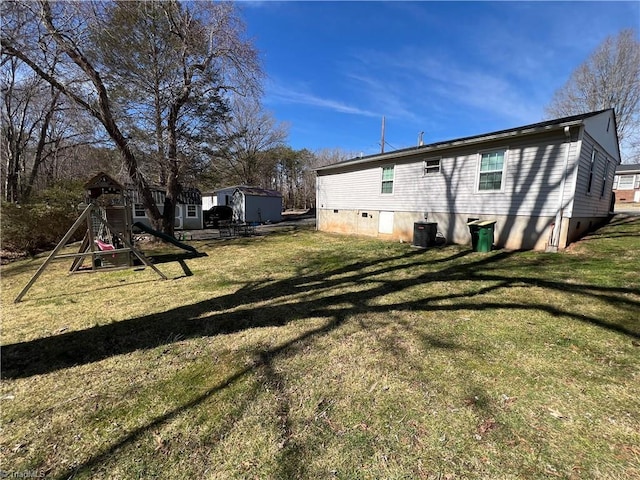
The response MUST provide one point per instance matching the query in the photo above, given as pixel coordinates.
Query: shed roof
(249, 190)
(485, 137)
(189, 196)
(259, 192)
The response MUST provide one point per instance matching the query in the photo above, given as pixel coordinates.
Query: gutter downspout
(555, 241)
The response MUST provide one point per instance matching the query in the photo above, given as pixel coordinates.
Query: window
(431, 166)
(625, 182)
(191, 211)
(491, 170)
(604, 178)
(387, 179)
(594, 156)
(138, 210)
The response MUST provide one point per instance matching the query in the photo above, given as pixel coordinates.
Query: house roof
(475, 139)
(628, 168)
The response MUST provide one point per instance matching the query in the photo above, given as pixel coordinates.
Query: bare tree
(208, 55)
(38, 128)
(609, 78)
(252, 132)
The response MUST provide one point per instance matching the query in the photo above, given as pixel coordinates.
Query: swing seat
(104, 246)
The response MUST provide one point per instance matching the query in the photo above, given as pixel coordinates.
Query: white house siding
(531, 184)
(593, 203)
(531, 188)
(602, 129)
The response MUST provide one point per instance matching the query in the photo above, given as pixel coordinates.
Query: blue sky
(448, 69)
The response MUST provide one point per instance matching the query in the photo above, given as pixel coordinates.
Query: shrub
(41, 223)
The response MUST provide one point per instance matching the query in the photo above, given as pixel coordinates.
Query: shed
(544, 184)
(256, 205)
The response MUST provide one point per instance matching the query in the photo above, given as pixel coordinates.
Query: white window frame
(383, 181)
(431, 169)
(626, 185)
(137, 208)
(192, 211)
(479, 172)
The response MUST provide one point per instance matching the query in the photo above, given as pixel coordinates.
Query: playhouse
(108, 240)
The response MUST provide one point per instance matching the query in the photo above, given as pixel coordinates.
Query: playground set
(108, 241)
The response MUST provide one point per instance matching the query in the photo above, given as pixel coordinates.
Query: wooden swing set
(108, 240)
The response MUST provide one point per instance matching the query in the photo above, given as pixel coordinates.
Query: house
(626, 184)
(250, 204)
(544, 185)
(188, 214)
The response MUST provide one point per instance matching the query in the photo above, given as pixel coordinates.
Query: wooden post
(63, 242)
(136, 252)
(92, 241)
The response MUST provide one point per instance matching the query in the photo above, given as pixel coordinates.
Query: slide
(165, 237)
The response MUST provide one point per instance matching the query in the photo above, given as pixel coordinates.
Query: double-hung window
(431, 166)
(491, 170)
(387, 179)
(191, 211)
(625, 182)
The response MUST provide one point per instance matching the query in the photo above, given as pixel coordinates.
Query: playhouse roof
(101, 184)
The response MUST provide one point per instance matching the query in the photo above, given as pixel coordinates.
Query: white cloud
(282, 94)
(421, 83)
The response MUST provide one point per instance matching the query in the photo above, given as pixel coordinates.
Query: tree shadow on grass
(268, 304)
(335, 295)
(262, 364)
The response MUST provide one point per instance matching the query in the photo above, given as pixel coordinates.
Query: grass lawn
(306, 355)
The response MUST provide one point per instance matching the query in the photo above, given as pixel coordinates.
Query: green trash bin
(481, 235)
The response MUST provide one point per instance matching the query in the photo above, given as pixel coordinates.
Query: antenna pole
(382, 137)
